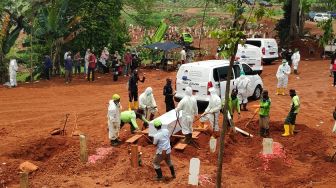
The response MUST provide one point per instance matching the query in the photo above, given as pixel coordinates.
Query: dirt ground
(29, 112)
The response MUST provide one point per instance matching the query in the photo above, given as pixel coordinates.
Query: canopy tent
(165, 46)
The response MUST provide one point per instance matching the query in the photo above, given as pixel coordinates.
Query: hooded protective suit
(296, 59)
(211, 113)
(113, 116)
(282, 75)
(188, 105)
(243, 84)
(12, 72)
(147, 102)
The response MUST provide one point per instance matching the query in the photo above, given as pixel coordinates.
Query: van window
(222, 73)
(236, 69)
(254, 43)
(247, 70)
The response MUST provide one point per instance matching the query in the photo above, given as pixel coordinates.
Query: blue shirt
(162, 141)
(68, 64)
(47, 63)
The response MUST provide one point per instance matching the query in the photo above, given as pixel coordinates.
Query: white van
(250, 55)
(202, 75)
(268, 46)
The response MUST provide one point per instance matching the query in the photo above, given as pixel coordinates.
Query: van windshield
(220, 74)
(254, 43)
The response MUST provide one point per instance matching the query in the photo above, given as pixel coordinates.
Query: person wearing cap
(296, 59)
(133, 89)
(147, 104)
(282, 76)
(169, 94)
(188, 106)
(113, 116)
(264, 110)
(68, 69)
(243, 84)
(163, 149)
(211, 113)
(291, 117)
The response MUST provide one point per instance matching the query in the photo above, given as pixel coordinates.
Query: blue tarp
(165, 46)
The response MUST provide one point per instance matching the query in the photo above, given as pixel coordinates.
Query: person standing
(211, 113)
(133, 89)
(113, 116)
(66, 54)
(333, 69)
(168, 93)
(86, 61)
(334, 115)
(243, 85)
(47, 67)
(296, 59)
(77, 63)
(291, 117)
(103, 59)
(288, 57)
(147, 104)
(233, 104)
(12, 69)
(68, 69)
(91, 67)
(264, 110)
(183, 54)
(188, 105)
(282, 76)
(128, 62)
(163, 149)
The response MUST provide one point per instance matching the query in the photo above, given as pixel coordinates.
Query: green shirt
(265, 106)
(233, 105)
(296, 104)
(129, 117)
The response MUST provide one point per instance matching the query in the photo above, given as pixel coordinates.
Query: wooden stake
(83, 149)
(24, 180)
(134, 156)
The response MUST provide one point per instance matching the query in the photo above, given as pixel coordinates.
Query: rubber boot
(172, 171)
(136, 105)
(286, 133)
(262, 132)
(244, 105)
(130, 106)
(158, 174)
(277, 91)
(188, 138)
(266, 133)
(283, 91)
(114, 142)
(291, 129)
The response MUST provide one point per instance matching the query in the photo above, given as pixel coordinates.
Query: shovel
(59, 131)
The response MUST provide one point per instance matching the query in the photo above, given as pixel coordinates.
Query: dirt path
(28, 113)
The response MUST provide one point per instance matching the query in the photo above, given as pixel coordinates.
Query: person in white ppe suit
(243, 85)
(113, 115)
(296, 59)
(211, 113)
(147, 105)
(188, 105)
(282, 76)
(13, 67)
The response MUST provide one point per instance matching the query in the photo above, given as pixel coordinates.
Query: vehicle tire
(257, 92)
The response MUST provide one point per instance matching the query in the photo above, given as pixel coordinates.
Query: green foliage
(212, 22)
(328, 32)
(192, 22)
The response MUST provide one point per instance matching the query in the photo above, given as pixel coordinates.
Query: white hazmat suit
(282, 76)
(243, 85)
(13, 67)
(296, 59)
(188, 105)
(113, 115)
(147, 103)
(211, 113)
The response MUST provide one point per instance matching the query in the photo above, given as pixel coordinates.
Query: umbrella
(165, 46)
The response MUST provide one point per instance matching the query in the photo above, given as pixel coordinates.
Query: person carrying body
(147, 104)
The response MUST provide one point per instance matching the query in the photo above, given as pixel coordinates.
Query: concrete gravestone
(194, 171)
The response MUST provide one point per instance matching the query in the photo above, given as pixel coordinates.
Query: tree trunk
(293, 30)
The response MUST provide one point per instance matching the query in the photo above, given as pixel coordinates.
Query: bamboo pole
(83, 148)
